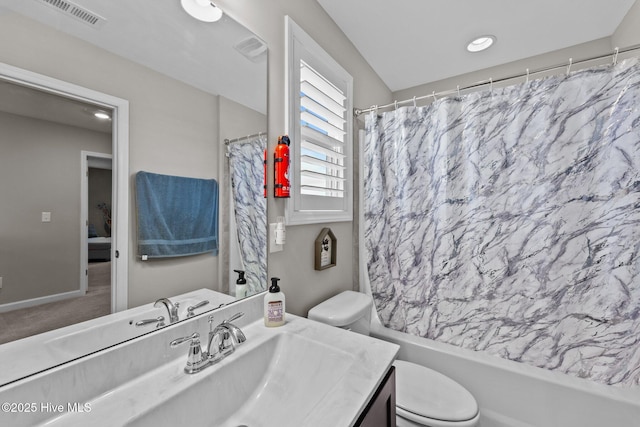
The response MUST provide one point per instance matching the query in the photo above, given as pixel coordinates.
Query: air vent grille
(77, 12)
(252, 47)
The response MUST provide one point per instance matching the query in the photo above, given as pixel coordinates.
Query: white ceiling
(29, 102)
(160, 35)
(413, 42)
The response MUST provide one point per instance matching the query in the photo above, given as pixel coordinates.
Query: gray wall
(304, 286)
(40, 172)
(557, 57)
(173, 129)
(628, 32)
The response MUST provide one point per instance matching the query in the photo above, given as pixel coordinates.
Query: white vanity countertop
(364, 362)
(350, 396)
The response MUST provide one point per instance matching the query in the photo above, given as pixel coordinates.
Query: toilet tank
(348, 310)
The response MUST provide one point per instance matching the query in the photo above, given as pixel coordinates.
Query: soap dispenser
(274, 308)
(241, 285)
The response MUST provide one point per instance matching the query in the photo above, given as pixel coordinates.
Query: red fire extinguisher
(265, 173)
(282, 185)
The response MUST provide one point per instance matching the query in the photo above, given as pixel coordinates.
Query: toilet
(424, 397)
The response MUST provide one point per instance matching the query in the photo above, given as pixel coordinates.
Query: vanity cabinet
(381, 409)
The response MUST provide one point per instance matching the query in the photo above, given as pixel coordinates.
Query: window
(319, 118)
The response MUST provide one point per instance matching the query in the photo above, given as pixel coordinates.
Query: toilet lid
(342, 309)
(427, 393)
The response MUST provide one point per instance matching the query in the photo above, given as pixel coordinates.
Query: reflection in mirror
(244, 233)
(189, 85)
(46, 141)
(248, 227)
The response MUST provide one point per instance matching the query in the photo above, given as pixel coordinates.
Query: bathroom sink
(303, 373)
(275, 383)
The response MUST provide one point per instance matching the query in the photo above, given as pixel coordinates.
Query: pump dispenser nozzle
(274, 285)
(241, 280)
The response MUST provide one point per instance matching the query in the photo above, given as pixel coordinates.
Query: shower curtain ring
(414, 102)
(491, 85)
(615, 56)
(527, 76)
(569, 67)
(395, 104)
(458, 91)
(434, 96)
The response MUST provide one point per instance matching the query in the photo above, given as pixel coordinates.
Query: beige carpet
(34, 320)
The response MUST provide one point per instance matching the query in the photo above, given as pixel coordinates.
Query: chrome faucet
(171, 308)
(222, 341)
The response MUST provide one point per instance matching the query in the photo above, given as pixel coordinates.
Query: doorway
(119, 232)
(95, 224)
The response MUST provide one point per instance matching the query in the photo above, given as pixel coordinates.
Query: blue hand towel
(177, 216)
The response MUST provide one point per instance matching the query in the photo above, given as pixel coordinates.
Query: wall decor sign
(326, 248)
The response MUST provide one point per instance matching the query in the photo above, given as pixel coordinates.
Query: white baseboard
(39, 301)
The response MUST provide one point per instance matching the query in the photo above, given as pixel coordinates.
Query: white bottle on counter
(241, 285)
(274, 305)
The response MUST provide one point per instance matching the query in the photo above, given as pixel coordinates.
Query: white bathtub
(512, 394)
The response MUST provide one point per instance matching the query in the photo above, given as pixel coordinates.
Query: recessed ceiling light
(203, 10)
(102, 115)
(481, 43)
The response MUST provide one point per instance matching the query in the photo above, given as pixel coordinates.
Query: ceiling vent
(76, 12)
(252, 48)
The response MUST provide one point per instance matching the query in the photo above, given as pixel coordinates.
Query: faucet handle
(196, 360)
(193, 338)
(234, 317)
(190, 309)
(158, 320)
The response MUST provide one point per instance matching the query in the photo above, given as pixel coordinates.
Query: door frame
(120, 171)
(86, 160)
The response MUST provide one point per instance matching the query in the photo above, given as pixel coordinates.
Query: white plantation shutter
(319, 102)
(322, 120)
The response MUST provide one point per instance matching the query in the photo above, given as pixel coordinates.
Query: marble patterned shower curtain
(247, 192)
(508, 221)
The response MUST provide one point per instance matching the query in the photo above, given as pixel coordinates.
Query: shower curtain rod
(242, 138)
(614, 55)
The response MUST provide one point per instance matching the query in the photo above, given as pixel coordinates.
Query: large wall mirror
(194, 98)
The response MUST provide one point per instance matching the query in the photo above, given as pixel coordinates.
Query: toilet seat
(429, 398)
